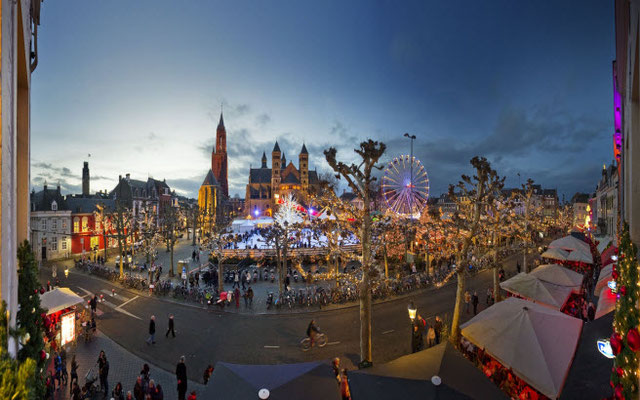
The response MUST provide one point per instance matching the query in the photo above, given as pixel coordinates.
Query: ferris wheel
(405, 186)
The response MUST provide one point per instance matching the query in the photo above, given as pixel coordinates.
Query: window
(54, 243)
(63, 243)
(54, 206)
(43, 224)
(76, 225)
(64, 224)
(85, 224)
(54, 224)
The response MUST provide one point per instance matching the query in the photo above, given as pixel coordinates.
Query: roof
(313, 177)
(276, 147)
(210, 180)
(87, 205)
(260, 175)
(41, 201)
(221, 122)
(59, 299)
(580, 198)
(291, 178)
(304, 149)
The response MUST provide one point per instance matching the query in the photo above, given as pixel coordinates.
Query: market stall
(535, 342)
(558, 275)
(604, 279)
(555, 254)
(61, 317)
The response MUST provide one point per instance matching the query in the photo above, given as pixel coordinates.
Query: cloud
(186, 186)
(152, 136)
(263, 119)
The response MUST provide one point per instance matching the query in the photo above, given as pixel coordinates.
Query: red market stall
(60, 320)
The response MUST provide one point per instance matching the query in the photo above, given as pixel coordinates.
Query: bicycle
(320, 341)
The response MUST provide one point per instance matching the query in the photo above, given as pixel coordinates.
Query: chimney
(85, 179)
(128, 177)
(119, 178)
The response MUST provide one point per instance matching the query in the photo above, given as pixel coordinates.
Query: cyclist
(312, 331)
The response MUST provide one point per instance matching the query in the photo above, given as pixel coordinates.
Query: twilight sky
(138, 85)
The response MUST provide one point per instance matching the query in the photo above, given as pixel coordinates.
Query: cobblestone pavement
(124, 367)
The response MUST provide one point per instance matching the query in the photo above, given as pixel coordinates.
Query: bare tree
(121, 218)
(471, 195)
(218, 241)
(530, 220)
(170, 222)
(360, 177)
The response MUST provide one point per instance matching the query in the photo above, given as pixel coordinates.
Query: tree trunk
(496, 278)
(386, 262)
(104, 239)
(525, 267)
(283, 269)
(171, 273)
(195, 226)
(365, 320)
(220, 274)
(455, 321)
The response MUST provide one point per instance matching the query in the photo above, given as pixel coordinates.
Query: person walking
(467, 301)
(236, 279)
(243, 279)
(344, 386)
(431, 337)
(170, 328)
(518, 266)
(103, 372)
(181, 376)
(74, 372)
(474, 301)
(416, 339)
(250, 296)
(152, 330)
(236, 295)
(437, 327)
(489, 295)
(207, 374)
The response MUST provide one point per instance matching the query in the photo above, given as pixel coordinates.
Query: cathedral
(267, 185)
(215, 188)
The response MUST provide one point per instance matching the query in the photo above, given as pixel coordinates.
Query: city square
(291, 200)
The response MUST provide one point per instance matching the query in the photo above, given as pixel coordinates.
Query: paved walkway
(124, 367)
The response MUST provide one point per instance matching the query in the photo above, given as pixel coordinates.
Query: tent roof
(570, 243)
(365, 387)
(581, 255)
(604, 242)
(456, 372)
(555, 253)
(538, 291)
(606, 255)
(590, 372)
(536, 342)
(606, 302)
(59, 299)
(558, 275)
(604, 278)
(284, 381)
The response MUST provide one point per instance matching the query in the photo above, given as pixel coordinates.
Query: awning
(532, 288)
(604, 278)
(606, 255)
(606, 302)
(581, 255)
(536, 342)
(59, 299)
(555, 253)
(570, 243)
(558, 275)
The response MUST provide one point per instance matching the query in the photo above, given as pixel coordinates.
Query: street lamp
(412, 311)
(66, 272)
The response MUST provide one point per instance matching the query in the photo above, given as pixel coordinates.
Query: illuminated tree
(471, 195)
(170, 222)
(218, 240)
(121, 219)
(530, 220)
(360, 178)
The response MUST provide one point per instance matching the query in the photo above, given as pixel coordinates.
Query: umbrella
(558, 275)
(536, 342)
(59, 299)
(581, 255)
(590, 372)
(310, 381)
(532, 288)
(555, 254)
(606, 302)
(410, 377)
(570, 243)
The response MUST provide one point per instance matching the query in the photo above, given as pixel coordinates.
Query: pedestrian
(118, 392)
(193, 255)
(475, 300)
(94, 304)
(431, 337)
(416, 339)
(207, 374)
(146, 376)
(518, 266)
(192, 396)
(489, 294)
(236, 294)
(413, 268)
(159, 394)
(437, 326)
(245, 296)
(171, 326)
(181, 376)
(75, 391)
(243, 279)
(467, 301)
(138, 389)
(152, 330)
(74, 372)
(335, 364)
(57, 364)
(236, 280)
(197, 278)
(250, 296)
(129, 396)
(591, 312)
(344, 386)
(103, 371)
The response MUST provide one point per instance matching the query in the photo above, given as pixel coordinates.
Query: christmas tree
(17, 380)
(625, 340)
(29, 318)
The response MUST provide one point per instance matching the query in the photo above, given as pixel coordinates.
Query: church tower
(276, 176)
(219, 157)
(303, 159)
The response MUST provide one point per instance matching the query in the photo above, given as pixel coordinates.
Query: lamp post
(66, 272)
(413, 310)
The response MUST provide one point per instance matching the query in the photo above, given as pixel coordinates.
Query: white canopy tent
(538, 291)
(537, 343)
(606, 302)
(604, 242)
(59, 299)
(558, 275)
(570, 243)
(581, 255)
(554, 253)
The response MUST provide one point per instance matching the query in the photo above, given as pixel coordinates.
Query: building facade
(50, 225)
(140, 197)
(87, 225)
(605, 213)
(219, 158)
(267, 185)
(581, 210)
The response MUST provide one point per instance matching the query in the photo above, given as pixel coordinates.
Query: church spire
(264, 160)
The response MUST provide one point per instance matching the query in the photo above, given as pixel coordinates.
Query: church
(215, 188)
(267, 185)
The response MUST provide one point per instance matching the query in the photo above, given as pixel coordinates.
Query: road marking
(332, 343)
(115, 295)
(127, 302)
(271, 347)
(389, 331)
(106, 303)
